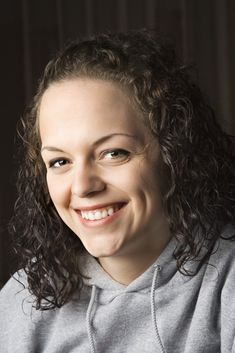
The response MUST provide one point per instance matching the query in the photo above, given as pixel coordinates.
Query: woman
(125, 215)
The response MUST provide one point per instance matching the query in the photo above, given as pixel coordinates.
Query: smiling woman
(125, 215)
(103, 181)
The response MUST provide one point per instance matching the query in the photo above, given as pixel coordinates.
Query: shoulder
(15, 295)
(15, 312)
(16, 283)
(223, 254)
(222, 260)
(218, 272)
(18, 316)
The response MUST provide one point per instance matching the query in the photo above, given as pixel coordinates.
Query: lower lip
(103, 221)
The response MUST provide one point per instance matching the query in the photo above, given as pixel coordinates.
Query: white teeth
(110, 211)
(104, 213)
(91, 216)
(96, 215)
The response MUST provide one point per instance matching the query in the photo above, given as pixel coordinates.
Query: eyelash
(54, 161)
(124, 155)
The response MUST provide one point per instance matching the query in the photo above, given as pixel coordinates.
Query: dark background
(32, 30)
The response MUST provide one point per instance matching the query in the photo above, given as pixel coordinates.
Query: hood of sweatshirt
(104, 289)
(160, 311)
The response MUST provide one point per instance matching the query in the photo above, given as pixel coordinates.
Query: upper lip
(98, 206)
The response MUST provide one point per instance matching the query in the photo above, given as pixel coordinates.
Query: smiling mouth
(101, 213)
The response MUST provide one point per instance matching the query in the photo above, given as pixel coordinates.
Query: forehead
(93, 93)
(88, 107)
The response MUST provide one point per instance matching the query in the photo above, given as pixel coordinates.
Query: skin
(98, 151)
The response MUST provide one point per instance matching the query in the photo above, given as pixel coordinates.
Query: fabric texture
(160, 311)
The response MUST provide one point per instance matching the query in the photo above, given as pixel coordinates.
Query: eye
(58, 163)
(115, 154)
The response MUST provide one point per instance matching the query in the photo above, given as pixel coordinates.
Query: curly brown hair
(199, 200)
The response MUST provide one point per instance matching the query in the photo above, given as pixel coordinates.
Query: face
(103, 167)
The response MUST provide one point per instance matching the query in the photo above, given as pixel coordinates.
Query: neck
(125, 268)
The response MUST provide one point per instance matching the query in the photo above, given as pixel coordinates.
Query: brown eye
(115, 154)
(57, 163)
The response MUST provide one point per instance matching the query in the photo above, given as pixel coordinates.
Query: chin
(101, 251)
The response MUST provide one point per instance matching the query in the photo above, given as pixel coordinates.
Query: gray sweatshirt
(160, 311)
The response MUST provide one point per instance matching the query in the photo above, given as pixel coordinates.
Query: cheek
(59, 192)
(137, 183)
(126, 179)
(149, 180)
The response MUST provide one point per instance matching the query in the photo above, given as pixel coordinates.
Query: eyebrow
(96, 143)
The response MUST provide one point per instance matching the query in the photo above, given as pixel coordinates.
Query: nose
(86, 181)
